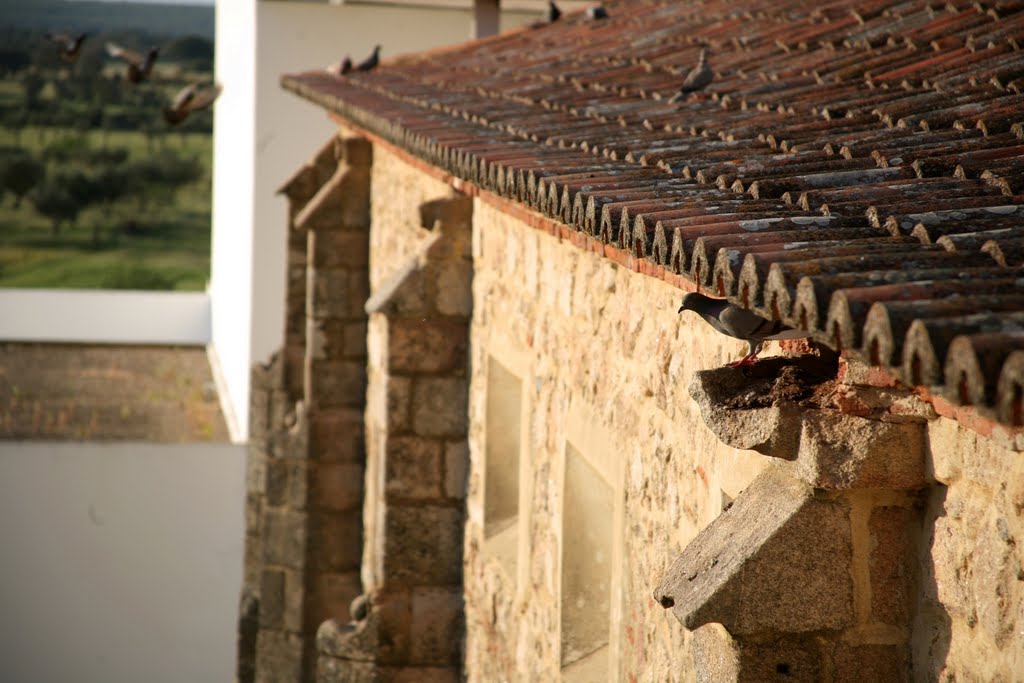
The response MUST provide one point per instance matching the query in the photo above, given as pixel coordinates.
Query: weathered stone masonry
(306, 450)
(880, 540)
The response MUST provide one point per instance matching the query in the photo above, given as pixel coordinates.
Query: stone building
(491, 448)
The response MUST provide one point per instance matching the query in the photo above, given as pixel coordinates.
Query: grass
(147, 243)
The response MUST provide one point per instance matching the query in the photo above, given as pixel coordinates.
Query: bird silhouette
(554, 14)
(340, 68)
(699, 77)
(139, 67)
(738, 322)
(370, 62)
(189, 99)
(597, 12)
(68, 46)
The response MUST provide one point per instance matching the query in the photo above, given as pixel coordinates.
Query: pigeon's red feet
(748, 359)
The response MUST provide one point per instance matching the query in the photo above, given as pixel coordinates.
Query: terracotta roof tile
(855, 169)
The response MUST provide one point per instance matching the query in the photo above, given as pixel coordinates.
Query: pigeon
(191, 98)
(554, 14)
(738, 322)
(370, 62)
(341, 68)
(139, 67)
(68, 46)
(597, 12)
(699, 77)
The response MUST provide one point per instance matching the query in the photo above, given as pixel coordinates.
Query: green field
(154, 241)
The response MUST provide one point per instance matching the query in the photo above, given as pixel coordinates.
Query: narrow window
(501, 484)
(587, 535)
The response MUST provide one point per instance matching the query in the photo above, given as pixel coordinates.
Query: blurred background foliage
(96, 190)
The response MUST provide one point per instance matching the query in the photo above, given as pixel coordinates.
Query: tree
(54, 201)
(32, 85)
(21, 174)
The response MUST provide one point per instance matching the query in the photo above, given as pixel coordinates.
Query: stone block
(715, 655)
(334, 384)
(279, 657)
(337, 435)
(436, 631)
(782, 659)
(412, 468)
(337, 486)
(328, 293)
(840, 451)
(456, 469)
(455, 289)
(402, 294)
(255, 473)
(340, 249)
(422, 545)
(272, 599)
(354, 340)
(426, 345)
(284, 538)
(893, 564)
(325, 339)
(779, 560)
(358, 292)
(858, 663)
(328, 596)
(439, 407)
(335, 541)
(398, 401)
(773, 430)
(277, 482)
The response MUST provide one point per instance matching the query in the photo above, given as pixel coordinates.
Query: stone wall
(602, 347)
(305, 465)
(970, 618)
(878, 540)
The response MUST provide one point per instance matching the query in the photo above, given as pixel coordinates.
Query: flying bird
(191, 98)
(597, 12)
(699, 77)
(554, 14)
(68, 46)
(738, 322)
(139, 67)
(370, 62)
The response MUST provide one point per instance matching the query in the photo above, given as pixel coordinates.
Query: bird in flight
(370, 62)
(738, 322)
(699, 77)
(139, 67)
(597, 12)
(554, 14)
(68, 46)
(191, 98)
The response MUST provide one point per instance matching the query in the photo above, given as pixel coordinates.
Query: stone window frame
(519, 364)
(587, 434)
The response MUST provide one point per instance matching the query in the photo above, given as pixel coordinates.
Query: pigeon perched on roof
(191, 98)
(738, 322)
(699, 77)
(370, 62)
(597, 12)
(341, 68)
(68, 46)
(554, 14)
(139, 67)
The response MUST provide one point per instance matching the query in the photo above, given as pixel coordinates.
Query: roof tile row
(855, 169)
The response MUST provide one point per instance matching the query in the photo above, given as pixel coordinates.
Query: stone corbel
(811, 573)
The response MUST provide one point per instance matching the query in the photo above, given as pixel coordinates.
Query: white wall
(262, 134)
(121, 562)
(105, 316)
